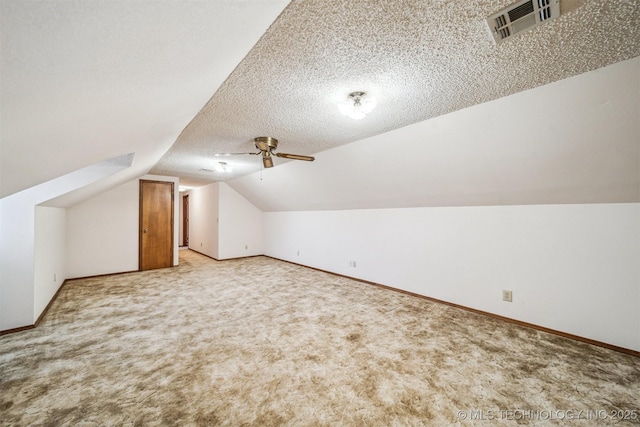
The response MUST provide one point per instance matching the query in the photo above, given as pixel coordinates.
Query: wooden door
(185, 220)
(156, 225)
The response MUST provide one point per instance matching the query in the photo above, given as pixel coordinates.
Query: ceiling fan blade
(295, 157)
(267, 160)
(234, 154)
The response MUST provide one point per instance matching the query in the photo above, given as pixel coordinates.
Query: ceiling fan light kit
(357, 105)
(267, 160)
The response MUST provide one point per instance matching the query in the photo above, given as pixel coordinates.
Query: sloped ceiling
(571, 141)
(84, 81)
(420, 59)
(179, 81)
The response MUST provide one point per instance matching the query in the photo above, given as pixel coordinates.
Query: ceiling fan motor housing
(266, 143)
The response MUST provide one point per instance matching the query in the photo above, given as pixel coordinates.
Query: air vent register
(522, 16)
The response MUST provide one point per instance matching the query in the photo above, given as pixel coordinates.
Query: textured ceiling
(572, 141)
(420, 59)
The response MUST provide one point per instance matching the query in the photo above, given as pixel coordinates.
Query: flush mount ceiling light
(357, 105)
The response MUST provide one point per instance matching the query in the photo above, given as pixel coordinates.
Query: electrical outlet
(246, 247)
(298, 253)
(55, 277)
(352, 264)
(507, 296)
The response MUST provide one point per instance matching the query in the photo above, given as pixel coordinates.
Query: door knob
(145, 230)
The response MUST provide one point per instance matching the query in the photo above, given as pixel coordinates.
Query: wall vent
(522, 16)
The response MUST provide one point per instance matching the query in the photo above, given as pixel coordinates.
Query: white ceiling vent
(522, 16)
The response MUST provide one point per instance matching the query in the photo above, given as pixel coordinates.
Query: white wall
(203, 219)
(49, 256)
(17, 237)
(102, 232)
(572, 268)
(223, 224)
(240, 226)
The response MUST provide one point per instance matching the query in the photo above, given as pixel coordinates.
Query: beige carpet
(259, 342)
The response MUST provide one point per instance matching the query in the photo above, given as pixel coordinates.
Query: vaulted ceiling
(85, 81)
(419, 59)
(179, 82)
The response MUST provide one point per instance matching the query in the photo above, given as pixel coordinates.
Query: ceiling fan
(267, 146)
